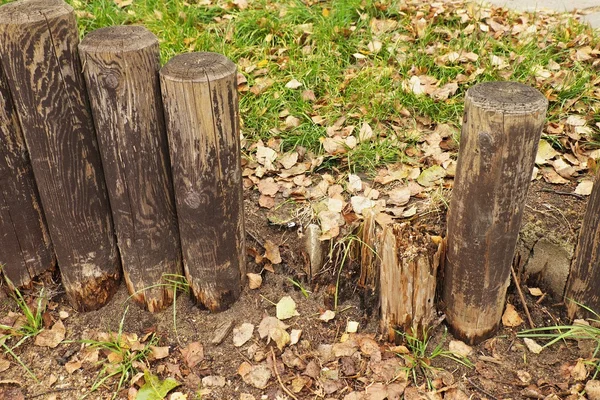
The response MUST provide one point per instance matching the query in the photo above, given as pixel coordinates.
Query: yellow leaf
(326, 12)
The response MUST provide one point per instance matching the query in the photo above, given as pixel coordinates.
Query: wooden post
(584, 278)
(501, 130)
(26, 250)
(38, 52)
(409, 265)
(121, 65)
(201, 111)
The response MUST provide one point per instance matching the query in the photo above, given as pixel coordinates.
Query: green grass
(316, 44)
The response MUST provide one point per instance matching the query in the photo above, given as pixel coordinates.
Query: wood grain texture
(584, 278)
(201, 111)
(408, 279)
(501, 130)
(121, 65)
(38, 52)
(26, 250)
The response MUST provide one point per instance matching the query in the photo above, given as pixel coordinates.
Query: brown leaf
(255, 375)
(266, 201)
(268, 187)
(510, 317)
(159, 352)
(254, 280)
(242, 333)
(52, 337)
(193, 354)
(272, 252)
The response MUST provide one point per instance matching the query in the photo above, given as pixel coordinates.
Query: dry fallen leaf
(159, 352)
(242, 333)
(269, 323)
(4, 364)
(511, 317)
(579, 372)
(351, 327)
(254, 280)
(432, 174)
(584, 187)
(255, 375)
(459, 349)
(328, 315)
(295, 336)
(293, 84)
(51, 337)
(535, 291)
(533, 346)
(286, 308)
(399, 196)
(193, 354)
(272, 252)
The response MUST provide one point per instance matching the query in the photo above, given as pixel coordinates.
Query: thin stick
(577, 195)
(279, 378)
(518, 285)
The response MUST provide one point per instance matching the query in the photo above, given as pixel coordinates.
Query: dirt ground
(503, 367)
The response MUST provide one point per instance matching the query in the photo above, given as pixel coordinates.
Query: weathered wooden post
(121, 65)
(201, 111)
(408, 278)
(38, 52)
(26, 250)
(584, 279)
(501, 130)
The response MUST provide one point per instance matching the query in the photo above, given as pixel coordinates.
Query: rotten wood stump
(408, 276)
(201, 110)
(38, 52)
(501, 130)
(584, 278)
(26, 250)
(121, 65)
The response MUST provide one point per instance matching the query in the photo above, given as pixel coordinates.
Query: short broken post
(584, 278)
(26, 250)
(201, 111)
(121, 65)
(501, 130)
(38, 53)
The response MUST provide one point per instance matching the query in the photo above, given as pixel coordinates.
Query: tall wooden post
(501, 130)
(584, 279)
(121, 65)
(26, 250)
(38, 52)
(201, 111)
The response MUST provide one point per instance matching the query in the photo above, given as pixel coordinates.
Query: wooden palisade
(501, 130)
(38, 53)
(121, 65)
(201, 111)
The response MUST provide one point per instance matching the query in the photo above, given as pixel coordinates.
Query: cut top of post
(507, 98)
(198, 67)
(118, 39)
(30, 11)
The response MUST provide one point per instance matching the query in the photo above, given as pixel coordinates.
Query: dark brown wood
(584, 278)
(26, 250)
(408, 276)
(121, 65)
(38, 52)
(500, 134)
(201, 111)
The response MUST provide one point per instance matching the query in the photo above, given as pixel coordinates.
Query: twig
(577, 195)
(279, 378)
(482, 390)
(518, 285)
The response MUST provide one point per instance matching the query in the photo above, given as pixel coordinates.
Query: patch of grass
(27, 327)
(124, 361)
(418, 361)
(576, 331)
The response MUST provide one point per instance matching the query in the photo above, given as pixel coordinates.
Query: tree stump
(408, 276)
(201, 110)
(121, 65)
(26, 250)
(501, 130)
(38, 52)
(584, 278)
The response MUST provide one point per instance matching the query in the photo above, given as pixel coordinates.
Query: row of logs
(111, 163)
